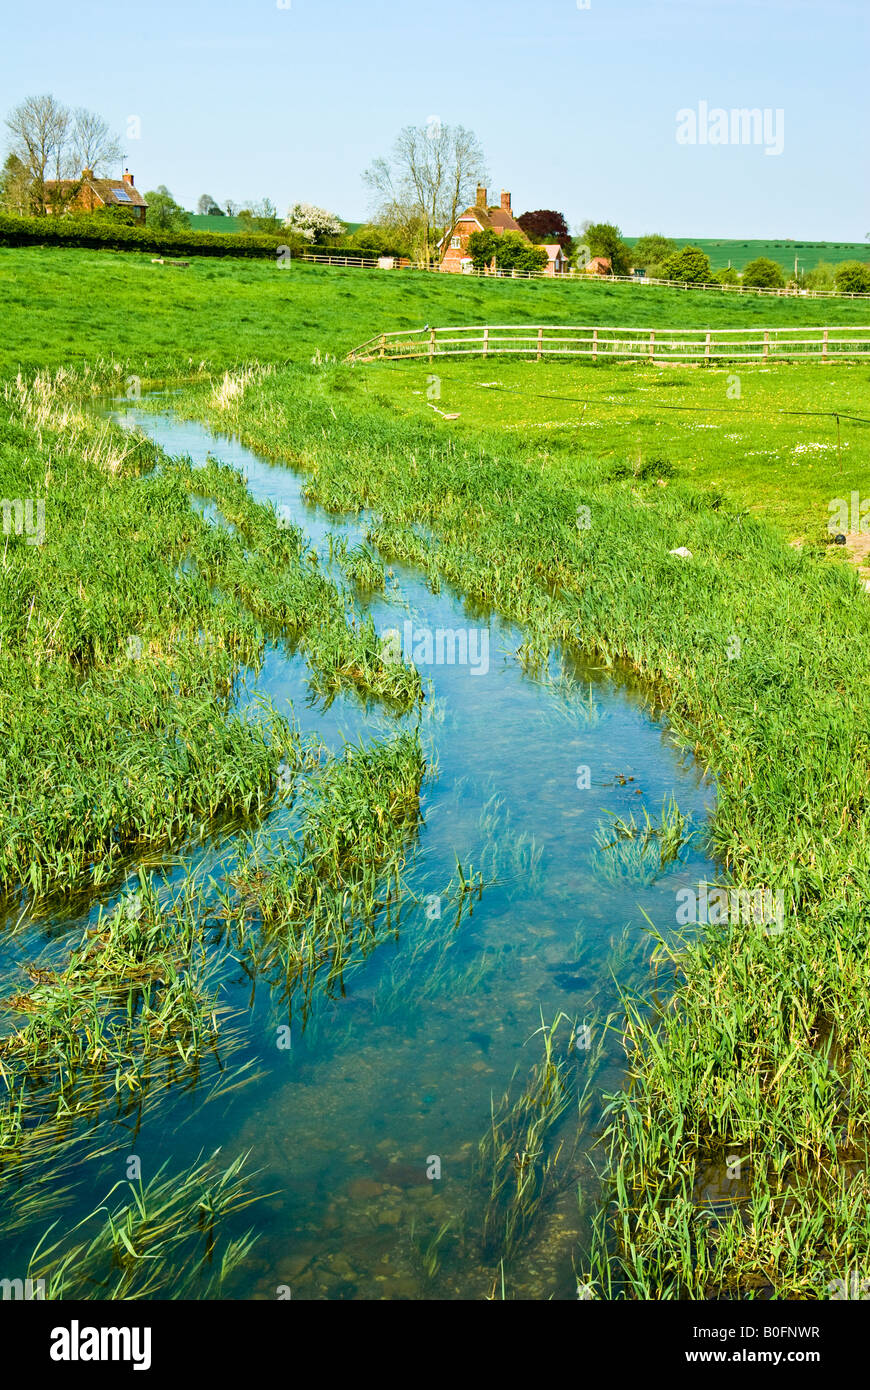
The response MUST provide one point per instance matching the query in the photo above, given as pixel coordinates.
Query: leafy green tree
(821, 277)
(852, 277)
(482, 248)
(261, 217)
(510, 251)
(726, 276)
(384, 240)
(605, 239)
(15, 186)
(164, 214)
(689, 265)
(763, 273)
(652, 250)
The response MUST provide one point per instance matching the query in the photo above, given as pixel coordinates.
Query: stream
(399, 1065)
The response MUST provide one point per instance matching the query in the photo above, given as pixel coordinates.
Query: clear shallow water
(399, 1062)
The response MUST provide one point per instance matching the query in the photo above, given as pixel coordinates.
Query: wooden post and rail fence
(657, 345)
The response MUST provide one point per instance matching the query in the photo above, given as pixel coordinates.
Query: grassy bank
(752, 647)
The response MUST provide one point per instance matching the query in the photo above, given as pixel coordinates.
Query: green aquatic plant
(157, 1239)
(640, 853)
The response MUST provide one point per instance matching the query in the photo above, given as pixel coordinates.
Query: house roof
(105, 189)
(488, 219)
(554, 250)
(599, 262)
(501, 220)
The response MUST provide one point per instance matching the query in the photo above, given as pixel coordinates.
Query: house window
(456, 243)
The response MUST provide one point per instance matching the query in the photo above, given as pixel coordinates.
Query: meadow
(69, 307)
(555, 502)
(779, 441)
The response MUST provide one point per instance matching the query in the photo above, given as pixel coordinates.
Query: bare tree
(92, 144)
(431, 174)
(39, 129)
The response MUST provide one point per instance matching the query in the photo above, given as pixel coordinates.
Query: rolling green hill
(809, 253)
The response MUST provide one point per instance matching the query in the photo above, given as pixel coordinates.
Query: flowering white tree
(312, 222)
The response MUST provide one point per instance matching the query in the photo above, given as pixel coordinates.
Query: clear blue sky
(576, 109)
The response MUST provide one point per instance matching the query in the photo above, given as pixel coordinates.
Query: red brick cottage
(480, 218)
(88, 193)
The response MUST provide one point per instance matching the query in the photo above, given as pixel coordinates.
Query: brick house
(480, 218)
(89, 193)
(599, 265)
(557, 262)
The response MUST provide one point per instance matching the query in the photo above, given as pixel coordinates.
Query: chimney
(481, 197)
(128, 177)
(506, 202)
(87, 173)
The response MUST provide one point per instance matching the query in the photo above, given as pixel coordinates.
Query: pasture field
(67, 307)
(274, 850)
(740, 253)
(774, 449)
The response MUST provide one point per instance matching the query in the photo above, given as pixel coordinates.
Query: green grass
(63, 307)
(123, 635)
(774, 450)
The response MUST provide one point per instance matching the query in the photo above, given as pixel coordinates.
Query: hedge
(102, 233)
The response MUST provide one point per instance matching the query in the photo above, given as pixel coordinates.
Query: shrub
(312, 222)
(511, 251)
(727, 276)
(852, 277)
(821, 277)
(689, 265)
(763, 274)
(97, 232)
(652, 249)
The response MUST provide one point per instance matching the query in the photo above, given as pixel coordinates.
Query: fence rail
(575, 276)
(703, 345)
(358, 262)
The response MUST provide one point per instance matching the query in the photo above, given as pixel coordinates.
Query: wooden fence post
(652, 345)
(766, 352)
(594, 343)
(486, 342)
(825, 345)
(383, 343)
(540, 343)
(707, 349)
(431, 344)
